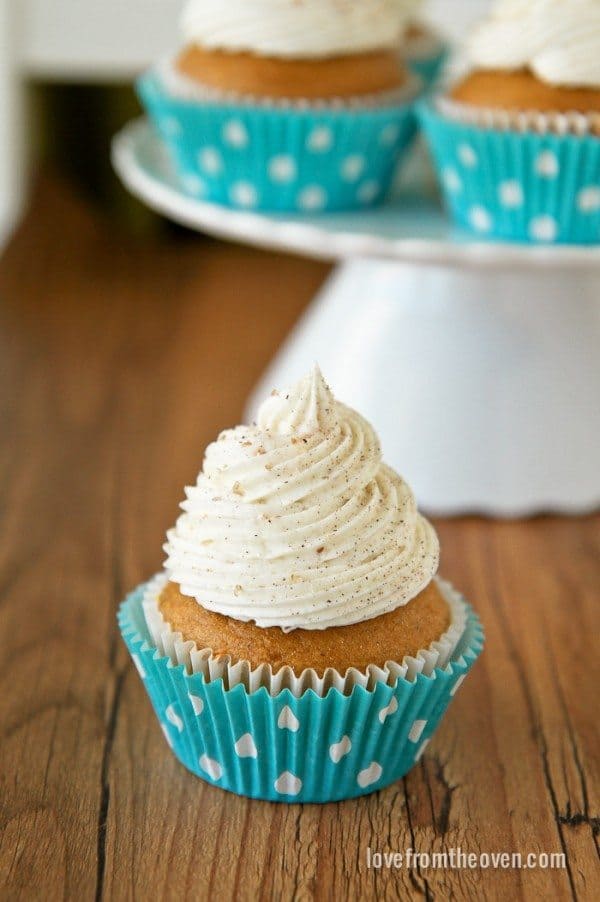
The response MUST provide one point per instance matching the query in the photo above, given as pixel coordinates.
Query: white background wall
(456, 16)
(112, 38)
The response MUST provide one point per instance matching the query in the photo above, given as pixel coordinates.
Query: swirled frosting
(294, 28)
(295, 521)
(559, 40)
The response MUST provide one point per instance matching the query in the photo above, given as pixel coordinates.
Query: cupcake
(423, 49)
(280, 105)
(517, 142)
(298, 645)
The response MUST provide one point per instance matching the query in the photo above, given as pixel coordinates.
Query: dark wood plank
(119, 360)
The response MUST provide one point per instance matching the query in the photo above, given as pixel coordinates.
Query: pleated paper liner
(285, 747)
(526, 177)
(258, 154)
(202, 661)
(540, 122)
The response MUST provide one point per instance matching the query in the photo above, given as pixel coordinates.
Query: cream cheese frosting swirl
(559, 40)
(295, 521)
(294, 28)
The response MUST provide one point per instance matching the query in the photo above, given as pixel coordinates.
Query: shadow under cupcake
(298, 646)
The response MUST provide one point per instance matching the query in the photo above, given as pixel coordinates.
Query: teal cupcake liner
(302, 158)
(284, 747)
(428, 67)
(537, 188)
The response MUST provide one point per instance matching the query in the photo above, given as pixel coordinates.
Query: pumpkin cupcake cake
(517, 141)
(298, 644)
(280, 105)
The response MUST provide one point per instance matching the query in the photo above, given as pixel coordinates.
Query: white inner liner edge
(555, 123)
(173, 646)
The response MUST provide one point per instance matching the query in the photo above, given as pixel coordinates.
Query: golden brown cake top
(391, 637)
(247, 74)
(522, 90)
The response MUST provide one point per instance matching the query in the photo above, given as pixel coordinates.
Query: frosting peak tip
(309, 406)
(297, 523)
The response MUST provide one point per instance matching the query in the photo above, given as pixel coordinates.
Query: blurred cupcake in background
(422, 47)
(517, 141)
(298, 645)
(280, 105)
(537, 57)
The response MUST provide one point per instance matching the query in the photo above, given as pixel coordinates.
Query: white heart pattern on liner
(165, 730)
(339, 749)
(197, 703)
(288, 784)
(174, 718)
(416, 730)
(287, 720)
(389, 709)
(370, 774)
(245, 747)
(211, 767)
(422, 748)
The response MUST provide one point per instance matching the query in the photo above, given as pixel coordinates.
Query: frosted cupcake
(280, 105)
(517, 142)
(298, 644)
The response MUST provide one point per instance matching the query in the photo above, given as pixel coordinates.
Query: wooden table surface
(120, 359)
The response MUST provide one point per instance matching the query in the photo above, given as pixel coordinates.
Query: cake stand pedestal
(477, 363)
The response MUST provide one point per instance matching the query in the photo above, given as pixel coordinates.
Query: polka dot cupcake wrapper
(284, 748)
(203, 661)
(294, 159)
(537, 188)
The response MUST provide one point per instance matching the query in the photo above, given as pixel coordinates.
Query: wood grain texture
(119, 361)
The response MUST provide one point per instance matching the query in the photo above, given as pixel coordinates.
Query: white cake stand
(478, 363)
